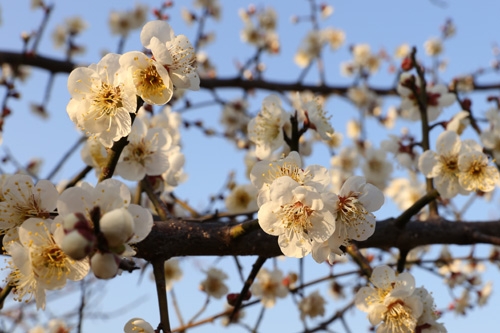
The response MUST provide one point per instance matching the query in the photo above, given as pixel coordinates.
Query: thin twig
(161, 292)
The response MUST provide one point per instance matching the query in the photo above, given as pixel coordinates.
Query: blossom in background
(298, 215)
(172, 272)
(391, 302)
(22, 200)
(214, 284)
(146, 153)
(234, 117)
(438, 97)
(38, 262)
(138, 325)
(269, 286)
(102, 98)
(433, 47)
(309, 49)
(175, 53)
(122, 22)
(376, 168)
(312, 306)
(266, 129)
(54, 326)
(405, 191)
(242, 199)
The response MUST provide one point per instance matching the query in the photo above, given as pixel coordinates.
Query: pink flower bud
(78, 245)
(117, 226)
(105, 265)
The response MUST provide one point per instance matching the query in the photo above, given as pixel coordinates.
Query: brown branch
(175, 237)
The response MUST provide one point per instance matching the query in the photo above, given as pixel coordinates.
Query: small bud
(75, 221)
(78, 245)
(407, 64)
(105, 265)
(117, 226)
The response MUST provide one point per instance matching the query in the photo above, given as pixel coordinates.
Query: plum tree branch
(175, 237)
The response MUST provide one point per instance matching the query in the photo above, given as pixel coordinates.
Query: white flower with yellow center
(22, 200)
(266, 129)
(268, 286)
(391, 302)
(352, 210)
(318, 119)
(102, 99)
(146, 153)
(39, 262)
(427, 322)
(264, 173)
(150, 78)
(175, 53)
(297, 214)
(442, 165)
(474, 173)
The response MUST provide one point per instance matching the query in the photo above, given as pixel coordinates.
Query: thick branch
(175, 238)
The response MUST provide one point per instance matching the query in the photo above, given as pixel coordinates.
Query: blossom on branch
(102, 98)
(268, 286)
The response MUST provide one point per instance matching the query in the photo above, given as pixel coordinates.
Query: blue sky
(382, 24)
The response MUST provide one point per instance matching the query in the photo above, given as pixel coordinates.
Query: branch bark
(175, 237)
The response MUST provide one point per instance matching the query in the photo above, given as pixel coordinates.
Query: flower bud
(105, 265)
(117, 226)
(75, 221)
(77, 244)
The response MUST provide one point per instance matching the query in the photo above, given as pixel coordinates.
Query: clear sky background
(382, 24)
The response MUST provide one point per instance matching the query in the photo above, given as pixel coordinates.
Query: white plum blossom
(269, 286)
(427, 322)
(102, 98)
(38, 261)
(438, 97)
(22, 199)
(376, 168)
(266, 129)
(318, 119)
(312, 305)
(405, 191)
(474, 173)
(442, 165)
(354, 220)
(391, 302)
(150, 79)
(173, 52)
(298, 215)
(242, 199)
(264, 173)
(146, 152)
(214, 284)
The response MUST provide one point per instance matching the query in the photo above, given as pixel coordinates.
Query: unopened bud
(78, 245)
(105, 265)
(117, 226)
(75, 221)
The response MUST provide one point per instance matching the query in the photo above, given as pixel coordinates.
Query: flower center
(49, 262)
(296, 217)
(148, 81)
(107, 99)
(287, 169)
(450, 163)
(399, 318)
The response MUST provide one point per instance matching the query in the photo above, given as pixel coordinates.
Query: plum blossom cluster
(396, 305)
(104, 95)
(47, 248)
(262, 32)
(271, 128)
(297, 205)
(458, 166)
